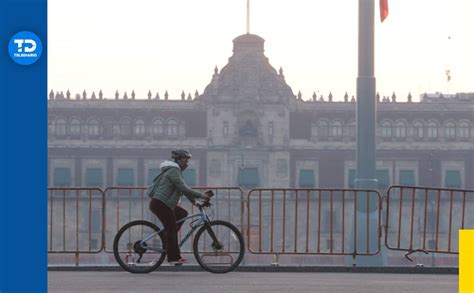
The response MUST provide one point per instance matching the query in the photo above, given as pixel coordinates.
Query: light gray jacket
(170, 186)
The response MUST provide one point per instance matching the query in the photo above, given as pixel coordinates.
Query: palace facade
(249, 129)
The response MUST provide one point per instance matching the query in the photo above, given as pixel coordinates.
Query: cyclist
(167, 195)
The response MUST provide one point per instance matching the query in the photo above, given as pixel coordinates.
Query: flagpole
(366, 107)
(248, 16)
(367, 207)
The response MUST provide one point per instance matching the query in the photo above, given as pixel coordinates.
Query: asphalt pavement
(261, 282)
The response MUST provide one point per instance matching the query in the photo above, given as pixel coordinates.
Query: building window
(450, 130)
(400, 129)
(323, 129)
(158, 128)
(248, 177)
(386, 129)
(352, 129)
(463, 129)
(281, 168)
(108, 129)
(215, 168)
(75, 128)
(307, 179)
(189, 176)
(351, 178)
(125, 127)
(93, 128)
(453, 179)
(383, 179)
(407, 178)
(314, 129)
(226, 129)
(270, 128)
(140, 127)
(117, 130)
(152, 173)
(51, 127)
(94, 177)
(125, 177)
(172, 128)
(418, 128)
(248, 129)
(60, 127)
(62, 177)
(432, 130)
(336, 129)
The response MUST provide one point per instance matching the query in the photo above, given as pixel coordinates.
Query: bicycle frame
(203, 218)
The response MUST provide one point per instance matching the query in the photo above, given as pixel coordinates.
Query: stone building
(249, 129)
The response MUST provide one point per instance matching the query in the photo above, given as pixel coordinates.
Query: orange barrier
(310, 221)
(277, 221)
(423, 219)
(75, 220)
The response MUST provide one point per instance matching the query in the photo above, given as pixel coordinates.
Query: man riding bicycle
(167, 194)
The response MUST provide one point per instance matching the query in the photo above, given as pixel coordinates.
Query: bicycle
(218, 246)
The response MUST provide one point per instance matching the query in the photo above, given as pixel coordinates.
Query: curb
(277, 269)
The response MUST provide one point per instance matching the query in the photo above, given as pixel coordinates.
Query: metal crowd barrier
(75, 222)
(311, 221)
(423, 219)
(277, 221)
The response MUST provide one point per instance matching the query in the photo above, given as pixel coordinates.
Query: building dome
(248, 38)
(248, 76)
(248, 42)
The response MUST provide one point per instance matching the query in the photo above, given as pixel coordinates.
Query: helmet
(178, 154)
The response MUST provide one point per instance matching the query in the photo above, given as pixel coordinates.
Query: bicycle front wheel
(223, 255)
(139, 247)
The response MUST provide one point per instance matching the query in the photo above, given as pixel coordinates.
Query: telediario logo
(25, 48)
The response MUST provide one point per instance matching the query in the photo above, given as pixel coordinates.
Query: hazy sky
(174, 45)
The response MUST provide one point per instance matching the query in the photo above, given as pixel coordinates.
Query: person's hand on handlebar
(205, 197)
(207, 194)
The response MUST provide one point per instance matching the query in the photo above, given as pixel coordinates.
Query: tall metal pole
(366, 107)
(366, 122)
(248, 16)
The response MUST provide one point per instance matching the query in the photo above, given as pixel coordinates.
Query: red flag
(383, 9)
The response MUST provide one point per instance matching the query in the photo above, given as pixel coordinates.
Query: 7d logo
(25, 48)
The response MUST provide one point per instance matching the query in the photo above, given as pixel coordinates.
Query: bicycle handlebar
(206, 203)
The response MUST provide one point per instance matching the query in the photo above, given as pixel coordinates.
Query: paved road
(177, 282)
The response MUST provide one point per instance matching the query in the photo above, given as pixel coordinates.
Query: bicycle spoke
(221, 256)
(138, 248)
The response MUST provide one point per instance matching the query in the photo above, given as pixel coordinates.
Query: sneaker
(178, 262)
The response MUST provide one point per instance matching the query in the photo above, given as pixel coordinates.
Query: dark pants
(168, 218)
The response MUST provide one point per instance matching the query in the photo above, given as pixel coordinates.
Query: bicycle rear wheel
(223, 256)
(135, 255)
